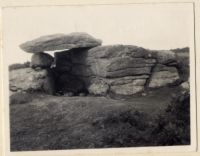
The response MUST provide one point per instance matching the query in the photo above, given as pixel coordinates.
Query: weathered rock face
(123, 70)
(163, 75)
(129, 88)
(112, 51)
(127, 85)
(98, 87)
(116, 67)
(165, 57)
(60, 42)
(112, 61)
(42, 60)
(28, 79)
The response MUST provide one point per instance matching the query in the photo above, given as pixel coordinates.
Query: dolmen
(80, 64)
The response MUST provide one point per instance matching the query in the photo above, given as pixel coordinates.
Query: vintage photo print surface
(99, 77)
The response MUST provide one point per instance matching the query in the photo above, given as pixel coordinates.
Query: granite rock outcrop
(83, 65)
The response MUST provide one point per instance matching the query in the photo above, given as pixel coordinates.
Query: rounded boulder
(42, 60)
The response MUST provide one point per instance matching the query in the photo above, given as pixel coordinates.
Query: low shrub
(173, 127)
(19, 66)
(127, 129)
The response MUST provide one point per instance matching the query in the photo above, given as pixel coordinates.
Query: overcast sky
(152, 26)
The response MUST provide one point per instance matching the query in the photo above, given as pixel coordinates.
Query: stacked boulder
(28, 80)
(38, 77)
(41, 76)
(81, 64)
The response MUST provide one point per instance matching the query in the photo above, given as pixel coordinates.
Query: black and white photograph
(99, 76)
